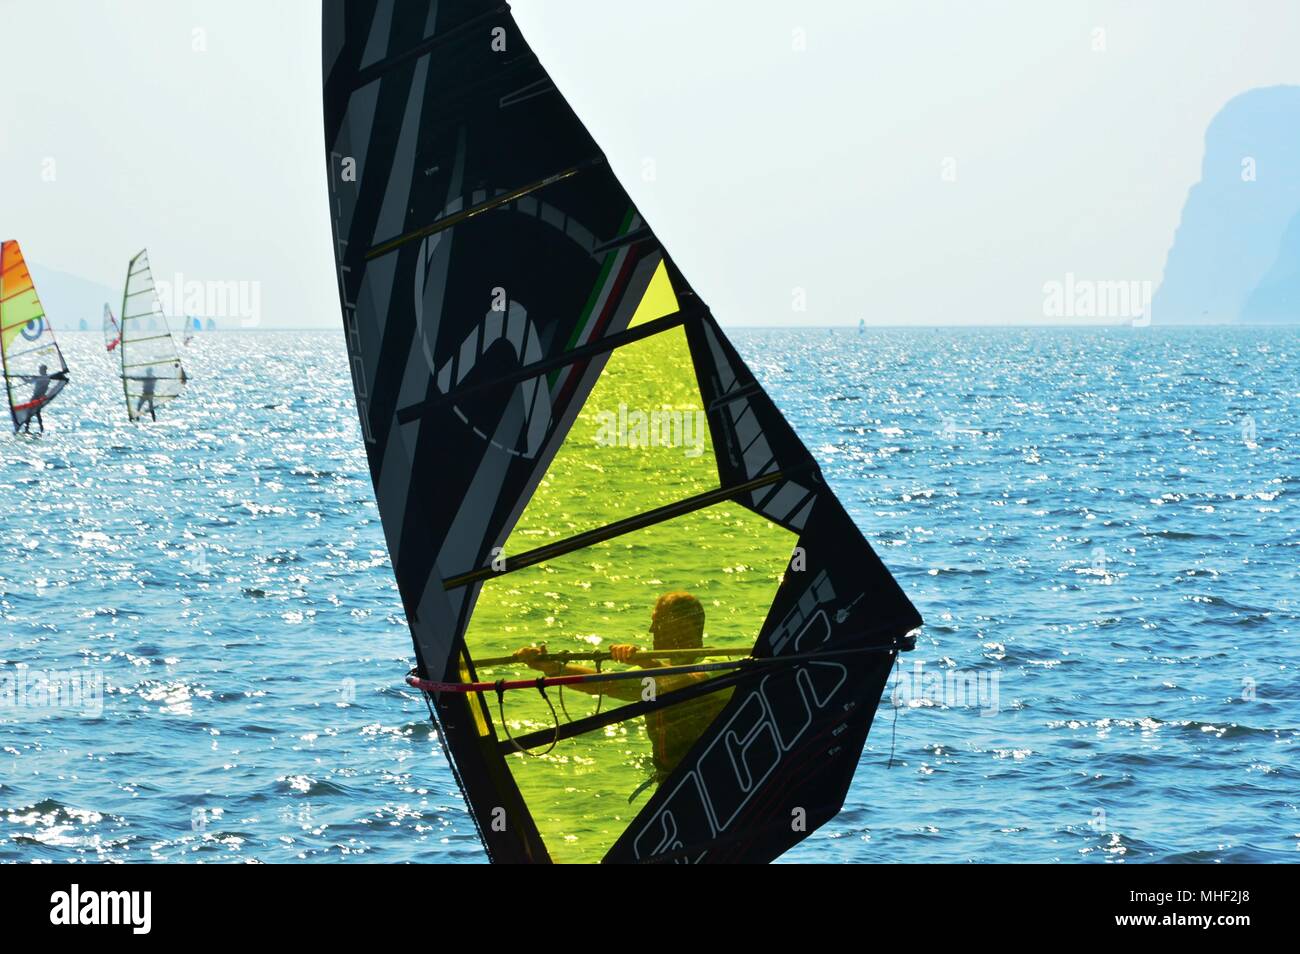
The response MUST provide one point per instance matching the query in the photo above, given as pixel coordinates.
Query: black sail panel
(564, 448)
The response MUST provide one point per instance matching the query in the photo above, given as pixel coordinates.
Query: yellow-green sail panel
(729, 558)
(640, 441)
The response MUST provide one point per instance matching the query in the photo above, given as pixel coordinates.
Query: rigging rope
(600, 696)
(501, 711)
(893, 735)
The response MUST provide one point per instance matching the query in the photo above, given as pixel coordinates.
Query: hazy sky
(775, 168)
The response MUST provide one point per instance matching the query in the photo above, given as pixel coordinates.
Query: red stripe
(612, 302)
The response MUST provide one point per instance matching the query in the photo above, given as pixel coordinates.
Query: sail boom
(600, 720)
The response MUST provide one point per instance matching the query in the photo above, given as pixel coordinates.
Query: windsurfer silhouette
(40, 382)
(149, 382)
(676, 623)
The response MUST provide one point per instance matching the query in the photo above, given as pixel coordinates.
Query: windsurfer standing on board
(149, 381)
(677, 623)
(40, 382)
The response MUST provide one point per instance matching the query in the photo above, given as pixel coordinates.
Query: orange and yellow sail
(34, 369)
(19, 306)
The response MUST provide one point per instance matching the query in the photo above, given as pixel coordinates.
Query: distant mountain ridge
(68, 298)
(1236, 253)
(1276, 299)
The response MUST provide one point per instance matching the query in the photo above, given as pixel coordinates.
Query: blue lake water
(1099, 526)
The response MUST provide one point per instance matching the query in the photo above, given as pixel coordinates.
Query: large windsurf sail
(647, 629)
(151, 369)
(112, 330)
(34, 369)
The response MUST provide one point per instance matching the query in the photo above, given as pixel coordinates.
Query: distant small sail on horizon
(112, 330)
(151, 370)
(192, 327)
(28, 350)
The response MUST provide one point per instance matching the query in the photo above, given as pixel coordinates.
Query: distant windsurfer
(677, 623)
(40, 382)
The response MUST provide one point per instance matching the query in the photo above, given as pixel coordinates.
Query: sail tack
(34, 370)
(567, 451)
(150, 366)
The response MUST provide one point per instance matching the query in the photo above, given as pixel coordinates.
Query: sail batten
(487, 205)
(558, 362)
(566, 451)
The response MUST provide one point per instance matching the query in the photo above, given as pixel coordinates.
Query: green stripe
(587, 309)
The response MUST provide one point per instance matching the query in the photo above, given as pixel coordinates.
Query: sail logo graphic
(665, 426)
(765, 727)
(75, 907)
(32, 330)
(526, 420)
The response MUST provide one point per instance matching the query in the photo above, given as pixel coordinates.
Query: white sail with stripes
(151, 369)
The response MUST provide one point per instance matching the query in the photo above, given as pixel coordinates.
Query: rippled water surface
(1100, 528)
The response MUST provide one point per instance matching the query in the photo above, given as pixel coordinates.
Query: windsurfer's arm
(534, 658)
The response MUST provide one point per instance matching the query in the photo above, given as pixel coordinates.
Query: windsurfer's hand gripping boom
(536, 657)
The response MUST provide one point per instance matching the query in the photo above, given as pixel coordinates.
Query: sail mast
(121, 335)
